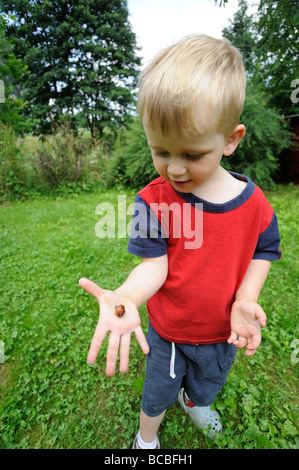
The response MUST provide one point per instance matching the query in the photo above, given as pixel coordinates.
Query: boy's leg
(165, 369)
(147, 436)
(149, 426)
(208, 372)
(202, 416)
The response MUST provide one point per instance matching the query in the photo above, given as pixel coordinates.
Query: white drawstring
(172, 359)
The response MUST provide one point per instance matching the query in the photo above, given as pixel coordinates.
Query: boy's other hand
(247, 317)
(119, 328)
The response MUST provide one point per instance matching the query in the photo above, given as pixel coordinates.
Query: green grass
(50, 397)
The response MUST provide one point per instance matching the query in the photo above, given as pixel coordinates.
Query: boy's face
(187, 160)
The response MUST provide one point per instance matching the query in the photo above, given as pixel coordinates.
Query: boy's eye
(194, 157)
(161, 154)
(164, 153)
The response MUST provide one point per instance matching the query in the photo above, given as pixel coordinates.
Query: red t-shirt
(209, 249)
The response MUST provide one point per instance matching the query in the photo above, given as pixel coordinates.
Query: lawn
(51, 398)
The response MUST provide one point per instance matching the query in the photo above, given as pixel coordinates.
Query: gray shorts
(201, 369)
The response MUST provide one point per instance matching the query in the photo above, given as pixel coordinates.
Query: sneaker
(136, 446)
(202, 416)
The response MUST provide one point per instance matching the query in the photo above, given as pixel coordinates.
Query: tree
(12, 72)
(266, 132)
(81, 58)
(277, 27)
(272, 38)
(241, 33)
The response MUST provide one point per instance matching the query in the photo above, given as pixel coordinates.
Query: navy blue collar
(226, 206)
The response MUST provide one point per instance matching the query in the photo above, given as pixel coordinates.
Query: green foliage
(266, 136)
(277, 28)
(67, 161)
(63, 162)
(13, 170)
(63, 157)
(268, 42)
(131, 164)
(241, 34)
(12, 73)
(50, 397)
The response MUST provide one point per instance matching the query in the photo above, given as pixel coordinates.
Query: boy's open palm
(119, 328)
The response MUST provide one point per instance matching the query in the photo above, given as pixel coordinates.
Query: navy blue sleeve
(146, 239)
(268, 243)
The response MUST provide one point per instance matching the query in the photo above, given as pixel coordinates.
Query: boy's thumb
(261, 316)
(91, 287)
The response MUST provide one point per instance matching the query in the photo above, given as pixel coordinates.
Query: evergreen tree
(12, 73)
(81, 58)
(240, 33)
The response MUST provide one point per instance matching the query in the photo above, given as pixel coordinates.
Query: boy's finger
(112, 352)
(240, 342)
(124, 352)
(232, 339)
(237, 340)
(142, 340)
(253, 344)
(90, 287)
(96, 344)
(250, 352)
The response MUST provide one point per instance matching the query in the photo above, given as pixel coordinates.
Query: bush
(62, 162)
(131, 164)
(13, 170)
(65, 158)
(266, 136)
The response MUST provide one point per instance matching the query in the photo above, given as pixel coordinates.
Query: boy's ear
(234, 140)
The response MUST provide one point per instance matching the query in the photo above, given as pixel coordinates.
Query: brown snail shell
(120, 310)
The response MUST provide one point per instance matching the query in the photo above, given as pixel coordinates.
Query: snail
(120, 310)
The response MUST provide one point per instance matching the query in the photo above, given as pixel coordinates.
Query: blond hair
(199, 76)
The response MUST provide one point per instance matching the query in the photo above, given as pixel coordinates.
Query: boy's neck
(223, 187)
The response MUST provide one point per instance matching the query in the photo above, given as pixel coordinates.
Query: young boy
(202, 284)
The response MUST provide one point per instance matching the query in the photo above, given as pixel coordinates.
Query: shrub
(131, 164)
(63, 157)
(13, 171)
(266, 136)
(61, 162)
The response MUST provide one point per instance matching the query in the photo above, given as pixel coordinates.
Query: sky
(160, 23)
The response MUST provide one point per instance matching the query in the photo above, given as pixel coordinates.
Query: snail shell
(120, 310)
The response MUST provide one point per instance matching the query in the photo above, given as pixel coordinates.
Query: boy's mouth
(180, 184)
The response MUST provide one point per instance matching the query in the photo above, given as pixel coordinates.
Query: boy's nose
(176, 168)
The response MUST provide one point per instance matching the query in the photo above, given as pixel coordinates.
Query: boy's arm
(144, 281)
(247, 316)
(140, 285)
